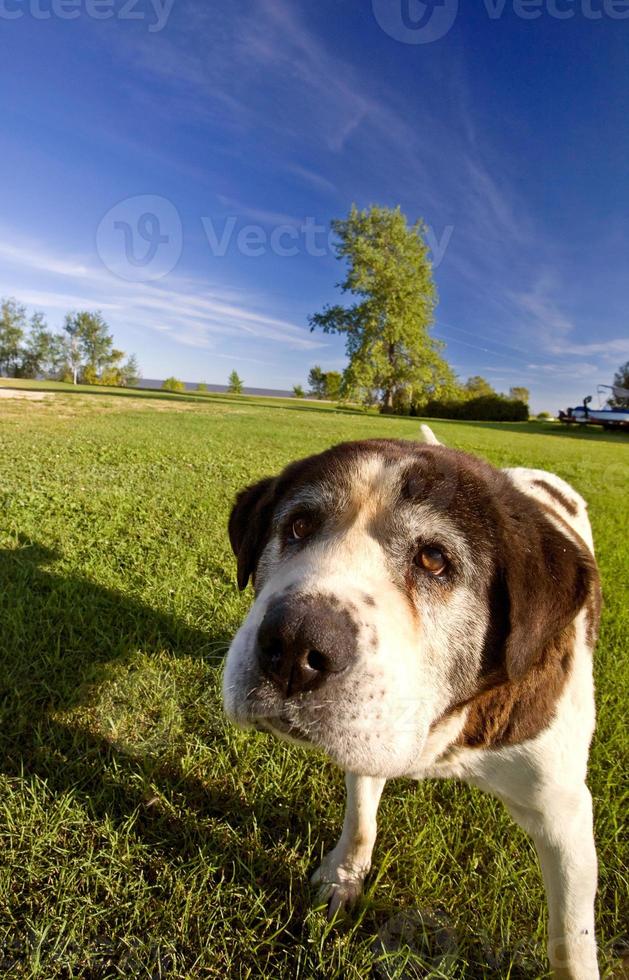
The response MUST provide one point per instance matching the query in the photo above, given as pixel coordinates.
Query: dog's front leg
(344, 869)
(562, 833)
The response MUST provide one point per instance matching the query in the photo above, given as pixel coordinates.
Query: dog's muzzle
(304, 641)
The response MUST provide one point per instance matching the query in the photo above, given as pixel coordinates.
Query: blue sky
(175, 164)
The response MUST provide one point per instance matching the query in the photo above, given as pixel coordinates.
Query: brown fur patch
(566, 503)
(593, 607)
(509, 712)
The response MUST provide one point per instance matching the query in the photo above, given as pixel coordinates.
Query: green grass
(141, 835)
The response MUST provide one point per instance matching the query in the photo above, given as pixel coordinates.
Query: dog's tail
(429, 437)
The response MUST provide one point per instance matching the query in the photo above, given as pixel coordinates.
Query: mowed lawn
(140, 834)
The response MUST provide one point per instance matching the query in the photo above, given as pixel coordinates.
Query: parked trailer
(608, 418)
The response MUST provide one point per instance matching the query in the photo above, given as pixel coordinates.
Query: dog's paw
(340, 884)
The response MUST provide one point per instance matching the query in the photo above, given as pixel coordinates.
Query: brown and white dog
(420, 613)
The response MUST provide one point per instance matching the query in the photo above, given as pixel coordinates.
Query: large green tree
(388, 343)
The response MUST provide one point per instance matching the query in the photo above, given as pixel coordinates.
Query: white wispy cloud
(262, 215)
(494, 207)
(310, 177)
(608, 348)
(567, 369)
(555, 330)
(189, 310)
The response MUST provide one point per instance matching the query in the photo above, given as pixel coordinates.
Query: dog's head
(391, 577)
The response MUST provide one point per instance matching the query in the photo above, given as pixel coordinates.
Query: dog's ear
(548, 577)
(249, 526)
(428, 436)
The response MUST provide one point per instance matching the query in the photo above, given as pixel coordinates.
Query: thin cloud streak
(189, 310)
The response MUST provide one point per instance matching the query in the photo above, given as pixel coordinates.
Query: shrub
(202, 386)
(173, 384)
(544, 415)
(111, 376)
(485, 408)
(89, 375)
(298, 391)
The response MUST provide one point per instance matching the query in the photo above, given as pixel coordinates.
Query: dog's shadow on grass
(60, 637)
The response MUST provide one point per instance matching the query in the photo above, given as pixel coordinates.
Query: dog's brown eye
(432, 560)
(301, 528)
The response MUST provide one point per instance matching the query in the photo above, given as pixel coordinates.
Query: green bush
(544, 415)
(485, 408)
(173, 384)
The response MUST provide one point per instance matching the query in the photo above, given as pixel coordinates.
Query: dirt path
(35, 396)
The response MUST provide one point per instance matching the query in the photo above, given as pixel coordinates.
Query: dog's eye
(302, 527)
(431, 560)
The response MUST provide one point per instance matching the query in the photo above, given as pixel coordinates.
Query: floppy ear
(249, 526)
(548, 578)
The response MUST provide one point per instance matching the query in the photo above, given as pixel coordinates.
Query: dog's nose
(303, 640)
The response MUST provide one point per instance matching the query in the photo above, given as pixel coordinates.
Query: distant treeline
(82, 352)
(473, 399)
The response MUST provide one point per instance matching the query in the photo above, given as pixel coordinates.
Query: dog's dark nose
(303, 640)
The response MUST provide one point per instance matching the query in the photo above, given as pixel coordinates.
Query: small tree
(316, 381)
(477, 387)
(202, 386)
(129, 372)
(91, 352)
(235, 384)
(519, 394)
(298, 391)
(333, 380)
(621, 380)
(38, 353)
(173, 384)
(92, 342)
(59, 358)
(73, 351)
(12, 330)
